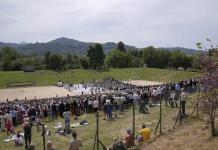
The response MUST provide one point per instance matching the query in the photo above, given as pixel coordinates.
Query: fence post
(133, 126)
(160, 115)
(180, 110)
(97, 131)
(43, 132)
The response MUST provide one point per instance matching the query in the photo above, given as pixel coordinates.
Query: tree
(9, 59)
(209, 81)
(118, 59)
(96, 56)
(47, 59)
(148, 55)
(121, 46)
(56, 62)
(84, 62)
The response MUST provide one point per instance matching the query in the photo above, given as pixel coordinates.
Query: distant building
(28, 68)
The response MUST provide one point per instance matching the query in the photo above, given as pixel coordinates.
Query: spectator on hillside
(61, 108)
(173, 99)
(128, 139)
(50, 146)
(144, 134)
(13, 113)
(18, 140)
(109, 110)
(74, 143)
(27, 127)
(9, 127)
(96, 105)
(67, 120)
(183, 100)
(105, 110)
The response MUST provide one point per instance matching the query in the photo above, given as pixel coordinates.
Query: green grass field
(46, 77)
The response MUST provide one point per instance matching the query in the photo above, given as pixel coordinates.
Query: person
(13, 113)
(2, 122)
(67, 120)
(144, 133)
(109, 110)
(183, 101)
(105, 110)
(61, 108)
(50, 146)
(27, 127)
(74, 143)
(9, 127)
(173, 99)
(118, 145)
(128, 139)
(18, 140)
(95, 105)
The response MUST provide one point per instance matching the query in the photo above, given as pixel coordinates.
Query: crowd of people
(115, 98)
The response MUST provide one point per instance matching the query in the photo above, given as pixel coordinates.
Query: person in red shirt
(127, 140)
(9, 127)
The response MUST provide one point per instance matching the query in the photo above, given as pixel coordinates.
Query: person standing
(95, 105)
(61, 108)
(183, 101)
(74, 143)
(13, 113)
(3, 122)
(67, 120)
(27, 127)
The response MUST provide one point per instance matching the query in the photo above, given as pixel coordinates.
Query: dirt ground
(32, 92)
(142, 82)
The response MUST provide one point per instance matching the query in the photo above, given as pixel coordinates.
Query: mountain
(64, 45)
(182, 49)
(60, 45)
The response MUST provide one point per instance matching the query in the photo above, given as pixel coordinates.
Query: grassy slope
(45, 77)
(108, 129)
(187, 136)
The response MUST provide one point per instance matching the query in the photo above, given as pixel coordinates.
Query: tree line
(120, 57)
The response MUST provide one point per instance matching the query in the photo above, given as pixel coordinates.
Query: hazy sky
(161, 23)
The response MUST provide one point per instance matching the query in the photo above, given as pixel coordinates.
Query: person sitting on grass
(74, 143)
(118, 144)
(18, 140)
(144, 134)
(127, 140)
(50, 146)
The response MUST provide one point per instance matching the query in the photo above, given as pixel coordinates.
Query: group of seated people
(127, 141)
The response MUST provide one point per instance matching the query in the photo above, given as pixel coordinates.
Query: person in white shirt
(95, 105)
(183, 100)
(18, 140)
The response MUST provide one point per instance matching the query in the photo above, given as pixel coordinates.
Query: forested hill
(60, 45)
(64, 45)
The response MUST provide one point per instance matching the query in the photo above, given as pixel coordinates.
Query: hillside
(64, 45)
(60, 45)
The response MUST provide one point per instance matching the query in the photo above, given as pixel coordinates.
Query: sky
(141, 23)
